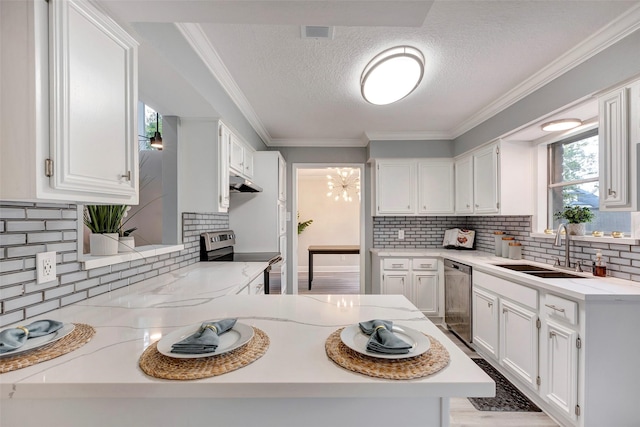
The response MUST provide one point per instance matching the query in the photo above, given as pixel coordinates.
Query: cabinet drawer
(561, 309)
(424, 264)
(395, 264)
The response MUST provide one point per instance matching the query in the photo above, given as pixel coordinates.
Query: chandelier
(344, 184)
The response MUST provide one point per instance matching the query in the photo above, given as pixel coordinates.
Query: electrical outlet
(400, 234)
(45, 267)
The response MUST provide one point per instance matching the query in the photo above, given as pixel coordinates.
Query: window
(573, 180)
(149, 122)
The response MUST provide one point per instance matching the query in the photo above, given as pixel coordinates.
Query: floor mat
(508, 397)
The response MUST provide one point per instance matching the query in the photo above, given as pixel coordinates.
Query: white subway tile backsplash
(7, 319)
(42, 308)
(21, 302)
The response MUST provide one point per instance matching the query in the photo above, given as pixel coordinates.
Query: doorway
(328, 208)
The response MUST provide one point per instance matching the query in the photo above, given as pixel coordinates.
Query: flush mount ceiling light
(564, 124)
(392, 75)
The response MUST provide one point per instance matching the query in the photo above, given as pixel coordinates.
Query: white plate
(356, 340)
(37, 342)
(239, 335)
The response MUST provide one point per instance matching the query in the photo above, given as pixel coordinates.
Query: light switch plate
(45, 267)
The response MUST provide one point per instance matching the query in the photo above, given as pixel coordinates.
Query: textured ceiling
(306, 91)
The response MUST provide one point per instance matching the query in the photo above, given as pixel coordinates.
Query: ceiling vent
(316, 32)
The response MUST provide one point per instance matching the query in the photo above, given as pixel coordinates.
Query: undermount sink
(545, 273)
(523, 267)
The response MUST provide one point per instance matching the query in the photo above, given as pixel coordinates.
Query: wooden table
(329, 249)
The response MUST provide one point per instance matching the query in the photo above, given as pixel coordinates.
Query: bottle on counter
(505, 246)
(498, 235)
(599, 266)
(515, 250)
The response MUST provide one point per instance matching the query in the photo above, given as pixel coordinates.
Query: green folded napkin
(13, 338)
(205, 340)
(382, 339)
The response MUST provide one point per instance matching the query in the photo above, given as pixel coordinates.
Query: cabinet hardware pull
(396, 265)
(126, 176)
(425, 265)
(477, 205)
(552, 334)
(468, 205)
(612, 192)
(490, 304)
(553, 307)
(504, 310)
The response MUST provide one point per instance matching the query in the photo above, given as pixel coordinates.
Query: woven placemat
(430, 362)
(157, 365)
(80, 335)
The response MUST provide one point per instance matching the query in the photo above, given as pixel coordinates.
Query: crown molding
(198, 40)
(407, 136)
(318, 142)
(596, 43)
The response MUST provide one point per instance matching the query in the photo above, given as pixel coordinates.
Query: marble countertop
(129, 319)
(589, 288)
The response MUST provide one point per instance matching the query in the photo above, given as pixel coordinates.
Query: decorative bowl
(617, 234)
(597, 234)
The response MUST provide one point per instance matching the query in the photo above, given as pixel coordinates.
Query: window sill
(603, 239)
(89, 262)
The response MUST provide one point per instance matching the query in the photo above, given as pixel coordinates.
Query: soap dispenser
(599, 266)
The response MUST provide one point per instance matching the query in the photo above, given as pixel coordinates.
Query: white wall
(334, 223)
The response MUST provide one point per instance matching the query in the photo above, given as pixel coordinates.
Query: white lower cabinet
(560, 387)
(415, 278)
(519, 341)
(396, 283)
(425, 292)
(485, 322)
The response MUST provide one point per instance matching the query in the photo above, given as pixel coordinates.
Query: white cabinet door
(561, 379)
(93, 102)
(485, 322)
(236, 155)
(247, 163)
(614, 150)
(425, 292)
(69, 96)
(519, 341)
(395, 187)
(436, 187)
(223, 167)
(282, 179)
(395, 283)
(485, 180)
(464, 185)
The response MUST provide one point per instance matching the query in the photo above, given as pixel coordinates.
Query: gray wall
(410, 149)
(617, 63)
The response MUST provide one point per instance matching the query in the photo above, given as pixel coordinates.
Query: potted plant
(303, 225)
(105, 223)
(576, 217)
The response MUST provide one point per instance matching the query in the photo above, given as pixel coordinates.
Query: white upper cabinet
(396, 182)
(435, 186)
(69, 104)
(240, 157)
(619, 134)
(464, 185)
(485, 180)
(203, 171)
(495, 179)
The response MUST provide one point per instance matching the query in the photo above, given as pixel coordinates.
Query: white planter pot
(103, 244)
(576, 229)
(126, 244)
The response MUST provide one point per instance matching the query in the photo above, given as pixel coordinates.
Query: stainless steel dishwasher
(457, 299)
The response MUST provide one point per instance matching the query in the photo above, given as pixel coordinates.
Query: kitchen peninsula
(293, 384)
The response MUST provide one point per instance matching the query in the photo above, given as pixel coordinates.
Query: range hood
(241, 185)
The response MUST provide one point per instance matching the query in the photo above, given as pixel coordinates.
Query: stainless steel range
(218, 246)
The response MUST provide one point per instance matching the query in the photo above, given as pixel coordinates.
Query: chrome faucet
(558, 242)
